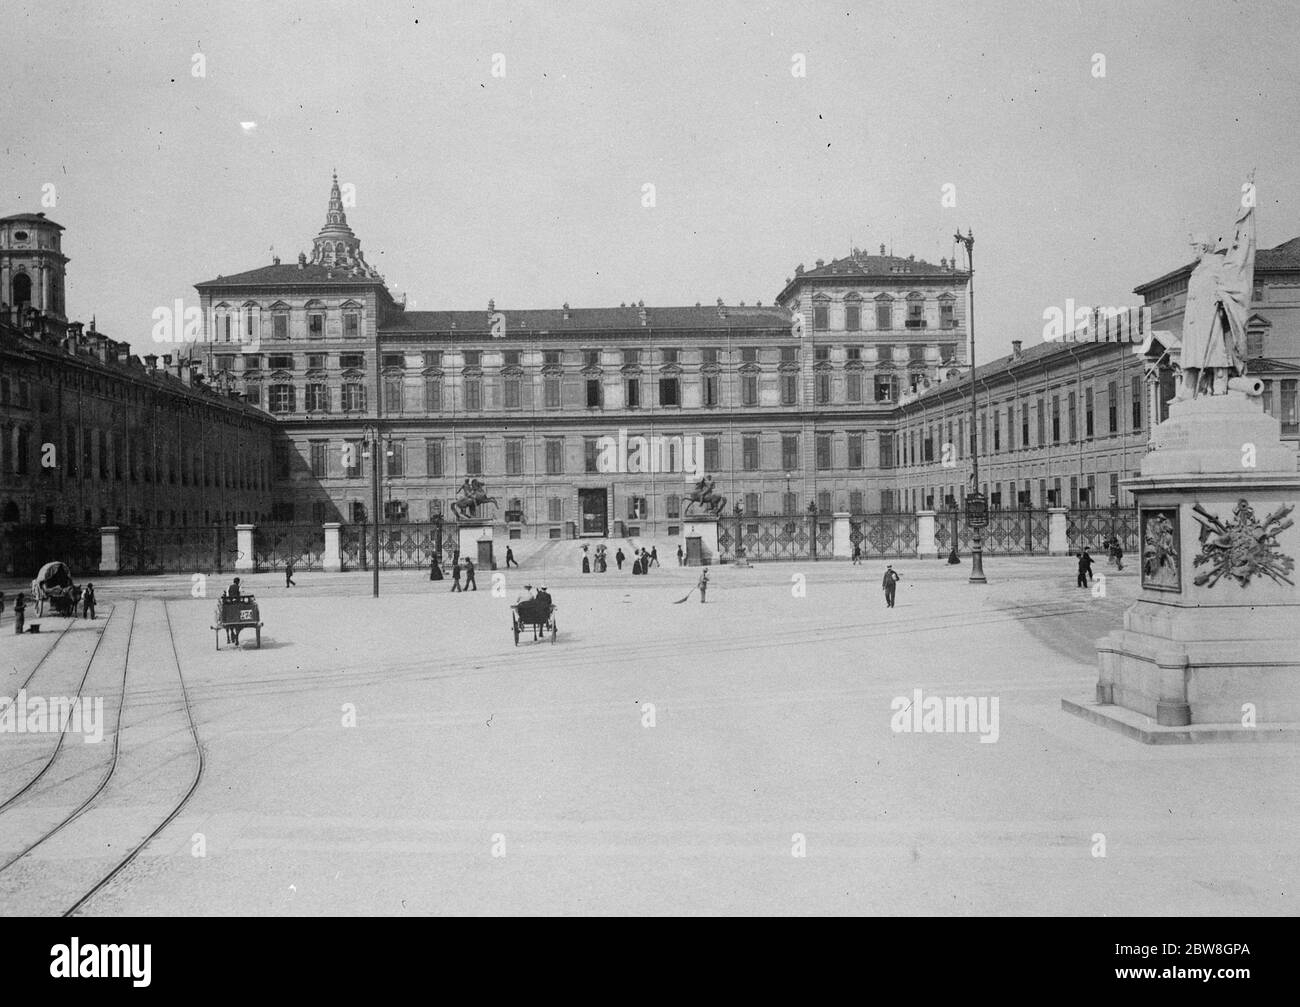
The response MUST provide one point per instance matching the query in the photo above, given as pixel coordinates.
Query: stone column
(841, 544)
(108, 553)
(244, 560)
(332, 559)
(925, 546)
(1058, 542)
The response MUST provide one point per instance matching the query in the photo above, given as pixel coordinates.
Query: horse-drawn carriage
(53, 583)
(234, 615)
(536, 613)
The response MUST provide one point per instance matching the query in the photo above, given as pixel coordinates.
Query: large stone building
(791, 403)
(92, 436)
(1065, 422)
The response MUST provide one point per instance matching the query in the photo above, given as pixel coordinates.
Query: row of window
(516, 391)
(885, 314)
(757, 453)
(1011, 429)
(97, 454)
(244, 323)
(1018, 494)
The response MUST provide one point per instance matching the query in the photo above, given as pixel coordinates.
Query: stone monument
(473, 527)
(1211, 648)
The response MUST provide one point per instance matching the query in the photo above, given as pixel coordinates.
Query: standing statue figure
(1218, 304)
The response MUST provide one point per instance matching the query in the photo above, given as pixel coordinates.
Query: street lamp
(370, 437)
(979, 513)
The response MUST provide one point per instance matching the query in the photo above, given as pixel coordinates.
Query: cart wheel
(554, 629)
(515, 627)
(259, 637)
(216, 638)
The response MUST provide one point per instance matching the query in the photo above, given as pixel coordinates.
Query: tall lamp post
(976, 505)
(371, 437)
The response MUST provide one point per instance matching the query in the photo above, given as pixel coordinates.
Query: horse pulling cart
(234, 615)
(537, 614)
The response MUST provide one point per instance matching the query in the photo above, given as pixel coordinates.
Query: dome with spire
(336, 245)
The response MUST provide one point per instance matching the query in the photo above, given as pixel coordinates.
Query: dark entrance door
(595, 512)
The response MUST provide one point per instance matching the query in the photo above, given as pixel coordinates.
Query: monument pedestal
(1214, 638)
(474, 539)
(700, 540)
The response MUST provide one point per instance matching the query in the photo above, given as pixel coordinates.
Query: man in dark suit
(890, 583)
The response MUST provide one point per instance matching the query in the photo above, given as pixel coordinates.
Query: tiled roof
(591, 319)
(868, 268)
(1285, 256)
(31, 218)
(878, 265)
(290, 275)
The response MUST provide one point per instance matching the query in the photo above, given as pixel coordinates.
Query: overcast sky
(528, 188)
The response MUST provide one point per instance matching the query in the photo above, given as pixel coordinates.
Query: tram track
(63, 729)
(84, 892)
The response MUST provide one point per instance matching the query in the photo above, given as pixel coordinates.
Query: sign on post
(977, 510)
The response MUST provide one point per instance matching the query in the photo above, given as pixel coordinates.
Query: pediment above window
(352, 374)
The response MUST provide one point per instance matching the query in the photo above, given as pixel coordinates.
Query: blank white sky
(527, 189)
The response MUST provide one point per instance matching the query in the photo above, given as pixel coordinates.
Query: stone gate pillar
(108, 550)
(1058, 542)
(925, 546)
(332, 559)
(244, 558)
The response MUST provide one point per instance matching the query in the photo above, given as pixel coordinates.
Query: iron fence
(884, 535)
(1092, 527)
(1019, 532)
(276, 545)
(402, 546)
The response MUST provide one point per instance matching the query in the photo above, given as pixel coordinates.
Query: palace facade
(791, 403)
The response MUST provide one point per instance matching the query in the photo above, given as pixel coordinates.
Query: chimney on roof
(943, 261)
(151, 361)
(882, 248)
(641, 313)
(492, 304)
(1015, 349)
(566, 311)
(302, 260)
(798, 270)
(820, 263)
(167, 360)
(275, 260)
(911, 258)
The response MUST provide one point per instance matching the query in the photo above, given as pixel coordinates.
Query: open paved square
(403, 756)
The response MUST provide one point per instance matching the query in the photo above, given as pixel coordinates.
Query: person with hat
(890, 583)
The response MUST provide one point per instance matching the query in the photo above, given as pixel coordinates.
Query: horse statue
(471, 496)
(706, 496)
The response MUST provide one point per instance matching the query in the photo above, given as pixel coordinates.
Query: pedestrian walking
(469, 575)
(703, 584)
(288, 573)
(510, 558)
(88, 601)
(619, 557)
(1085, 567)
(1119, 554)
(435, 568)
(20, 611)
(857, 554)
(586, 561)
(654, 555)
(455, 575)
(679, 556)
(890, 584)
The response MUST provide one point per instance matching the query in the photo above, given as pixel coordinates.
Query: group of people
(458, 567)
(642, 559)
(600, 562)
(86, 596)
